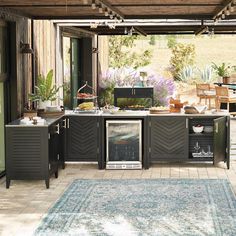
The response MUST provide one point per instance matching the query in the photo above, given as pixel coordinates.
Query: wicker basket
(50, 114)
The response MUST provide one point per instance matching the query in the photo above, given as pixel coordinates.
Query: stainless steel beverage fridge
(124, 144)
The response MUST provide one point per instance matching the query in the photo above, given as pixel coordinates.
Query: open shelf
(200, 134)
(201, 158)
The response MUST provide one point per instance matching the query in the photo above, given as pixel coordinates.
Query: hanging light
(25, 48)
(100, 9)
(93, 5)
(231, 8)
(227, 12)
(111, 15)
(223, 15)
(106, 13)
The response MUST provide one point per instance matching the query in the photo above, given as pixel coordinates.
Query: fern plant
(222, 70)
(45, 90)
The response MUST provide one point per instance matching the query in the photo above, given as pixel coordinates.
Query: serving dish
(198, 129)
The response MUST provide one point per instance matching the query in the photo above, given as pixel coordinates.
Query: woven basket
(50, 114)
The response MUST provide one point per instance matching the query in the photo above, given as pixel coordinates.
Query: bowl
(200, 108)
(52, 108)
(208, 129)
(114, 110)
(198, 129)
(110, 109)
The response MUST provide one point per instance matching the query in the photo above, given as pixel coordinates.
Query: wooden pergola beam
(220, 9)
(140, 31)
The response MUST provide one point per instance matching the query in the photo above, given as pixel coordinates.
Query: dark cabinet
(56, 144)
(213, 146)
(173, 138)
(134, 92)
(61, 132)
(32, 152)
(82, 138)
(168, 138)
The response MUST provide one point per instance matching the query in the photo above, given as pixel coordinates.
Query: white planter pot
(44, 104)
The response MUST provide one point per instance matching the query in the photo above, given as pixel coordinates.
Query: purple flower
(163, 89)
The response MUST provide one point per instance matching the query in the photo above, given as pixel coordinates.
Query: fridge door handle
(64, 124)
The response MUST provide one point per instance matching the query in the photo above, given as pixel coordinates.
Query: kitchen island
(36, 151)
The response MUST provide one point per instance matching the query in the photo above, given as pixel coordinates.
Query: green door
(2, 133)
(75, 70)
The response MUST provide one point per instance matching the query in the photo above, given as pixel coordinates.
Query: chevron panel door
(168, 138)
(82, 139)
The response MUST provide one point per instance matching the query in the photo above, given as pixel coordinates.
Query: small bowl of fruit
(198, 128)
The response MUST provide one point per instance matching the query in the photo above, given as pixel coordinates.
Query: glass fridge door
(124, 141)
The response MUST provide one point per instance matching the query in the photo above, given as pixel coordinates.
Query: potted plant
(45, 91)
(223, 71)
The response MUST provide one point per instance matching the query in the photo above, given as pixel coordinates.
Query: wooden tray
(50, 114)
(159, 111)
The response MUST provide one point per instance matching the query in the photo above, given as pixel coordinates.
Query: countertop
(49, 121)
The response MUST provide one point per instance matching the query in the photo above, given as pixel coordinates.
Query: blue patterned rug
(143, 207)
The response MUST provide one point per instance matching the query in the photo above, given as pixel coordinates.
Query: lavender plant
(163, 88)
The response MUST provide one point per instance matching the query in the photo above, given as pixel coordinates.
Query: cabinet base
(124, 165)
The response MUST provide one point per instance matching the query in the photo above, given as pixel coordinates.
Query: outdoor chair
(223, 95)
(204, 91)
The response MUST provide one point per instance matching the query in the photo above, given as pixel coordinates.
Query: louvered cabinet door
(168, 138)
(82, 138)
(26, 153)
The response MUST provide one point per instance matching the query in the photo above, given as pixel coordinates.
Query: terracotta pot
(226, 80)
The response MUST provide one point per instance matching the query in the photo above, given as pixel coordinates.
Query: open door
(72, 71)
(220, 140)
(75, 70)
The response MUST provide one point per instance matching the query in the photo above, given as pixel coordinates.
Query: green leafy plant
(152, 40)
(222, 70)
(45, 90)
(171, 41)
(120, 56)
(182, 56)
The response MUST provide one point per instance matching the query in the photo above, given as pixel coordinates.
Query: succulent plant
(186, 74)
(206, 74)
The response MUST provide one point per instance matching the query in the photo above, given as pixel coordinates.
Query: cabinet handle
(186, 123)
(68, 123)
(217, 127)
(64, 125)
(58, 129)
